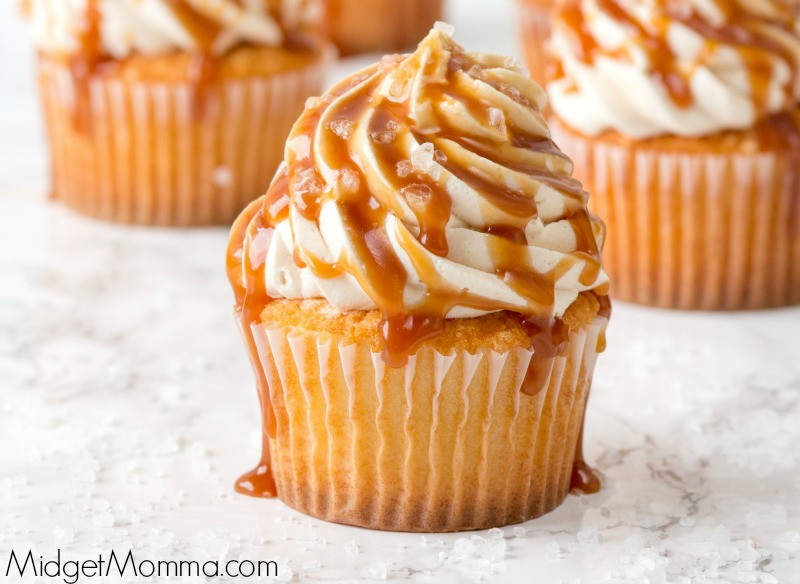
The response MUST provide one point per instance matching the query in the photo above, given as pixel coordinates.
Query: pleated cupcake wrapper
(446, 443)
(151, 153)
(695, 230)
(534, 28)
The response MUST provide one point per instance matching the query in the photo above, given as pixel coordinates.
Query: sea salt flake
(439, 156)
(393, 126)
(463, 547)
(399, 90)
(314, 102)
(422, 157)
(351, 547)
(404, 168)
(105, 519)
(374, 571)
(301, 146)
(519, 532)
(418, 196)
(307, 182)
(444, 27)
(588, 535)
(389, 62)
(497, 119)
(495, 533)
(349, 180)
(342, 128)
(383, 137)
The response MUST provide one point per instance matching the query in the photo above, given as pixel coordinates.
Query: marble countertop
(127, 409)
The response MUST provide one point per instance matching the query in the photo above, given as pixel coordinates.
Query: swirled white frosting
(153, 27)
(439, 129)
(739, 59)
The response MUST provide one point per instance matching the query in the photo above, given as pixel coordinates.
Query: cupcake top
(426, 187)
(645, 68)
(121, 28)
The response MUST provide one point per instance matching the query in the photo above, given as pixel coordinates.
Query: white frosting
(469, 263)
(617, 90)
(151, 27)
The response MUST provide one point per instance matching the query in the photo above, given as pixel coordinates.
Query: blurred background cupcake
(682, 119)
(534, 32)
(362, 26)
(423, 301)
(171, 112)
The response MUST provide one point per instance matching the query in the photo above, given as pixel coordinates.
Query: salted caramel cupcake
(534, 27)
(682, 119)
(422, 298)
(171, 112)
(365, 26)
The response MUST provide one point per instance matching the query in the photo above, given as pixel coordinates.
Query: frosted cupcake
(682, 120)
(534, 32)
(171, 112)
(423, 301)
(362, 26)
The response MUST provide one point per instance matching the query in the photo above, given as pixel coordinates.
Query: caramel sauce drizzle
(90, 59)
(748, 34)
(364, 207)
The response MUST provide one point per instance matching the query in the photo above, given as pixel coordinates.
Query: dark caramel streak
(744, 31)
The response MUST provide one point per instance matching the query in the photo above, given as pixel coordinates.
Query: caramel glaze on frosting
(427, 187)
(94, 36)
(681, 67)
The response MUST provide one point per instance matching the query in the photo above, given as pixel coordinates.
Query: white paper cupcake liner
(147, 153)
(446, 443)
(694, 230)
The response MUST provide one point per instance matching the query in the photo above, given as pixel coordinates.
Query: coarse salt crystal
(404, 168)
(444, 27)
(342, 128)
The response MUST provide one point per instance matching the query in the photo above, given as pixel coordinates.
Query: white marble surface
(127, 410)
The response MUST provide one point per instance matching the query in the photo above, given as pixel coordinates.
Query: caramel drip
(251, 297)
(747, 33)
(83, 64)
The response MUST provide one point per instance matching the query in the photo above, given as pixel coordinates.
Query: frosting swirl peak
(155, 27)
(428, 187)
(681, 67)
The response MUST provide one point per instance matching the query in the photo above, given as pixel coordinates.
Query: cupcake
(422, 298)
(363, 26)
(171, 112)
(682, 120)
(534, 32)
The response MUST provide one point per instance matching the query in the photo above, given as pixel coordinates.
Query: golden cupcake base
(144, 145)
(447, 443)
(710, 223)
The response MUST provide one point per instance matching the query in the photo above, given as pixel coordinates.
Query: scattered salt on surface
(588, 535)
(519, 532)
(63, 535)
(374, 571)
(351, 547)
(104, 519)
